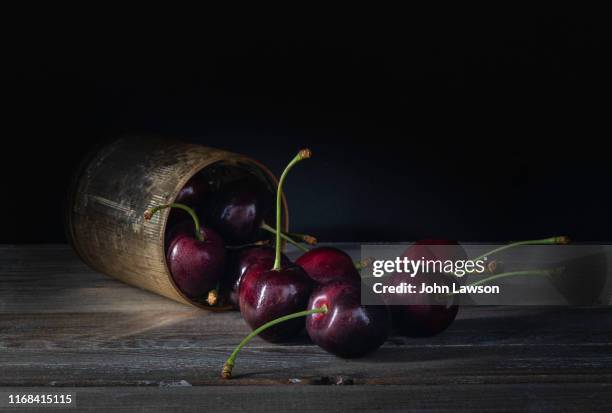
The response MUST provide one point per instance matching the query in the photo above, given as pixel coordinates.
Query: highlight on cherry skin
(338, 323)
(348, 329)
(335, 321)
(326, 264)
(238, 262)
(195, 255)
(193, 194)
(277, 298)
(267, 292)
(237, 210)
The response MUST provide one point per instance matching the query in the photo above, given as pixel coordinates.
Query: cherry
(270, 291)
(237, 210)
(238, 262)
(426, 315)
(269, 294)
(193, 194)
(195, 260)
(326, 264)
(569, 275)
(347, 329)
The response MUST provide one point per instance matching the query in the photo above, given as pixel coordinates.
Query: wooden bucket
(117, 183)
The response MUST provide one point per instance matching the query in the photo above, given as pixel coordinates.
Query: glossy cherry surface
(196, 265)
(193, 194)
(348, 329)
(267, 294)
(426, 314)
(238, 262)
(238, 209)
(327, 264)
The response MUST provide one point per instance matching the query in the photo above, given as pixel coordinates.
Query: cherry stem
(150, 212)
(250, 244)
(305, 238)
(562, 240)
(229, 364)
(543, 273)
(303, 154)
(213, 296)
(284, 236)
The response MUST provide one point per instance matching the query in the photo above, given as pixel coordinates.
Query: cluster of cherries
(225, 262)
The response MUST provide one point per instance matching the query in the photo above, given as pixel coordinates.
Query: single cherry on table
(348, 329)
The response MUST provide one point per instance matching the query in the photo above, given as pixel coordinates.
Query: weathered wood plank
(421, 398)
(62, 324)
(51, 279)
(191, 328)
(309, 365)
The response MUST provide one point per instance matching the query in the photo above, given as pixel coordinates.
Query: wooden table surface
(64, 327)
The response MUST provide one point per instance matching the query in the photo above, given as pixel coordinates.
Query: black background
(471, 128)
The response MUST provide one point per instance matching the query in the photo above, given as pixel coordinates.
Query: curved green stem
(546, 241)
(303, 154)
(560, 240)
(229, 363)
(284, 236)
(541, 273)
(250, 244)
(150, 212)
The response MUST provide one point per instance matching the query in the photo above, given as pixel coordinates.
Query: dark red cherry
(237, 210)
(193, 194)
(326, 264)
(335, 320)
(426, 314)
(195, 255)
(237, 264)
(181, 226)
(196, 265)
(267, 294)
(347, 329)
